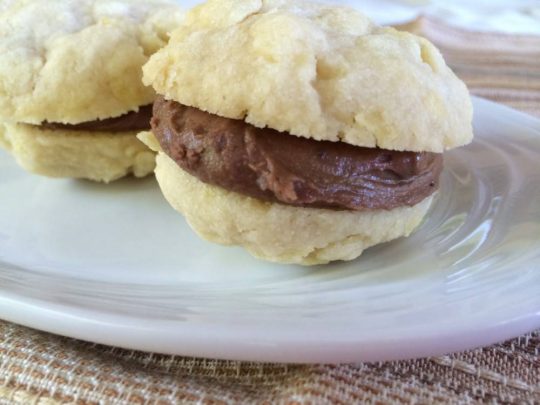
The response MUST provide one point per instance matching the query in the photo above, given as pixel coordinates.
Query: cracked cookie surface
(72, 61)
(316, 71)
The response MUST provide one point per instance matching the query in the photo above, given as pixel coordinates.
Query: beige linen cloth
(39, 368)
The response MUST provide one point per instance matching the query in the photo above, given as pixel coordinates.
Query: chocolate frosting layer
(132, 121)
(278, 167)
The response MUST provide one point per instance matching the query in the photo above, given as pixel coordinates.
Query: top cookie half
(72, 61)
(315, 71)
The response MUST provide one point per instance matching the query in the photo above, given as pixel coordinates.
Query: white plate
(115, 265)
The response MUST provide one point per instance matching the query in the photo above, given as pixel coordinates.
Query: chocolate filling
(278, 167)
(132, 121)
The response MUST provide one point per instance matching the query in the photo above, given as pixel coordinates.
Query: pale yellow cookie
(4, 143)
(277, 232)
(72, 61)
(99, 156)
(316, 71)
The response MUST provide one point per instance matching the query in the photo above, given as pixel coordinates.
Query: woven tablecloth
(39, 368)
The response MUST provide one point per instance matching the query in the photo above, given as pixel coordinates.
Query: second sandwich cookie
(71, 96)
(301, 131)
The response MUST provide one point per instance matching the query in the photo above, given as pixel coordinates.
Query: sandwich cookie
(71, 95)
(301, 131)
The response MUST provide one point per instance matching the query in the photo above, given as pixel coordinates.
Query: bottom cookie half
(98, 156)
(277, 232)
